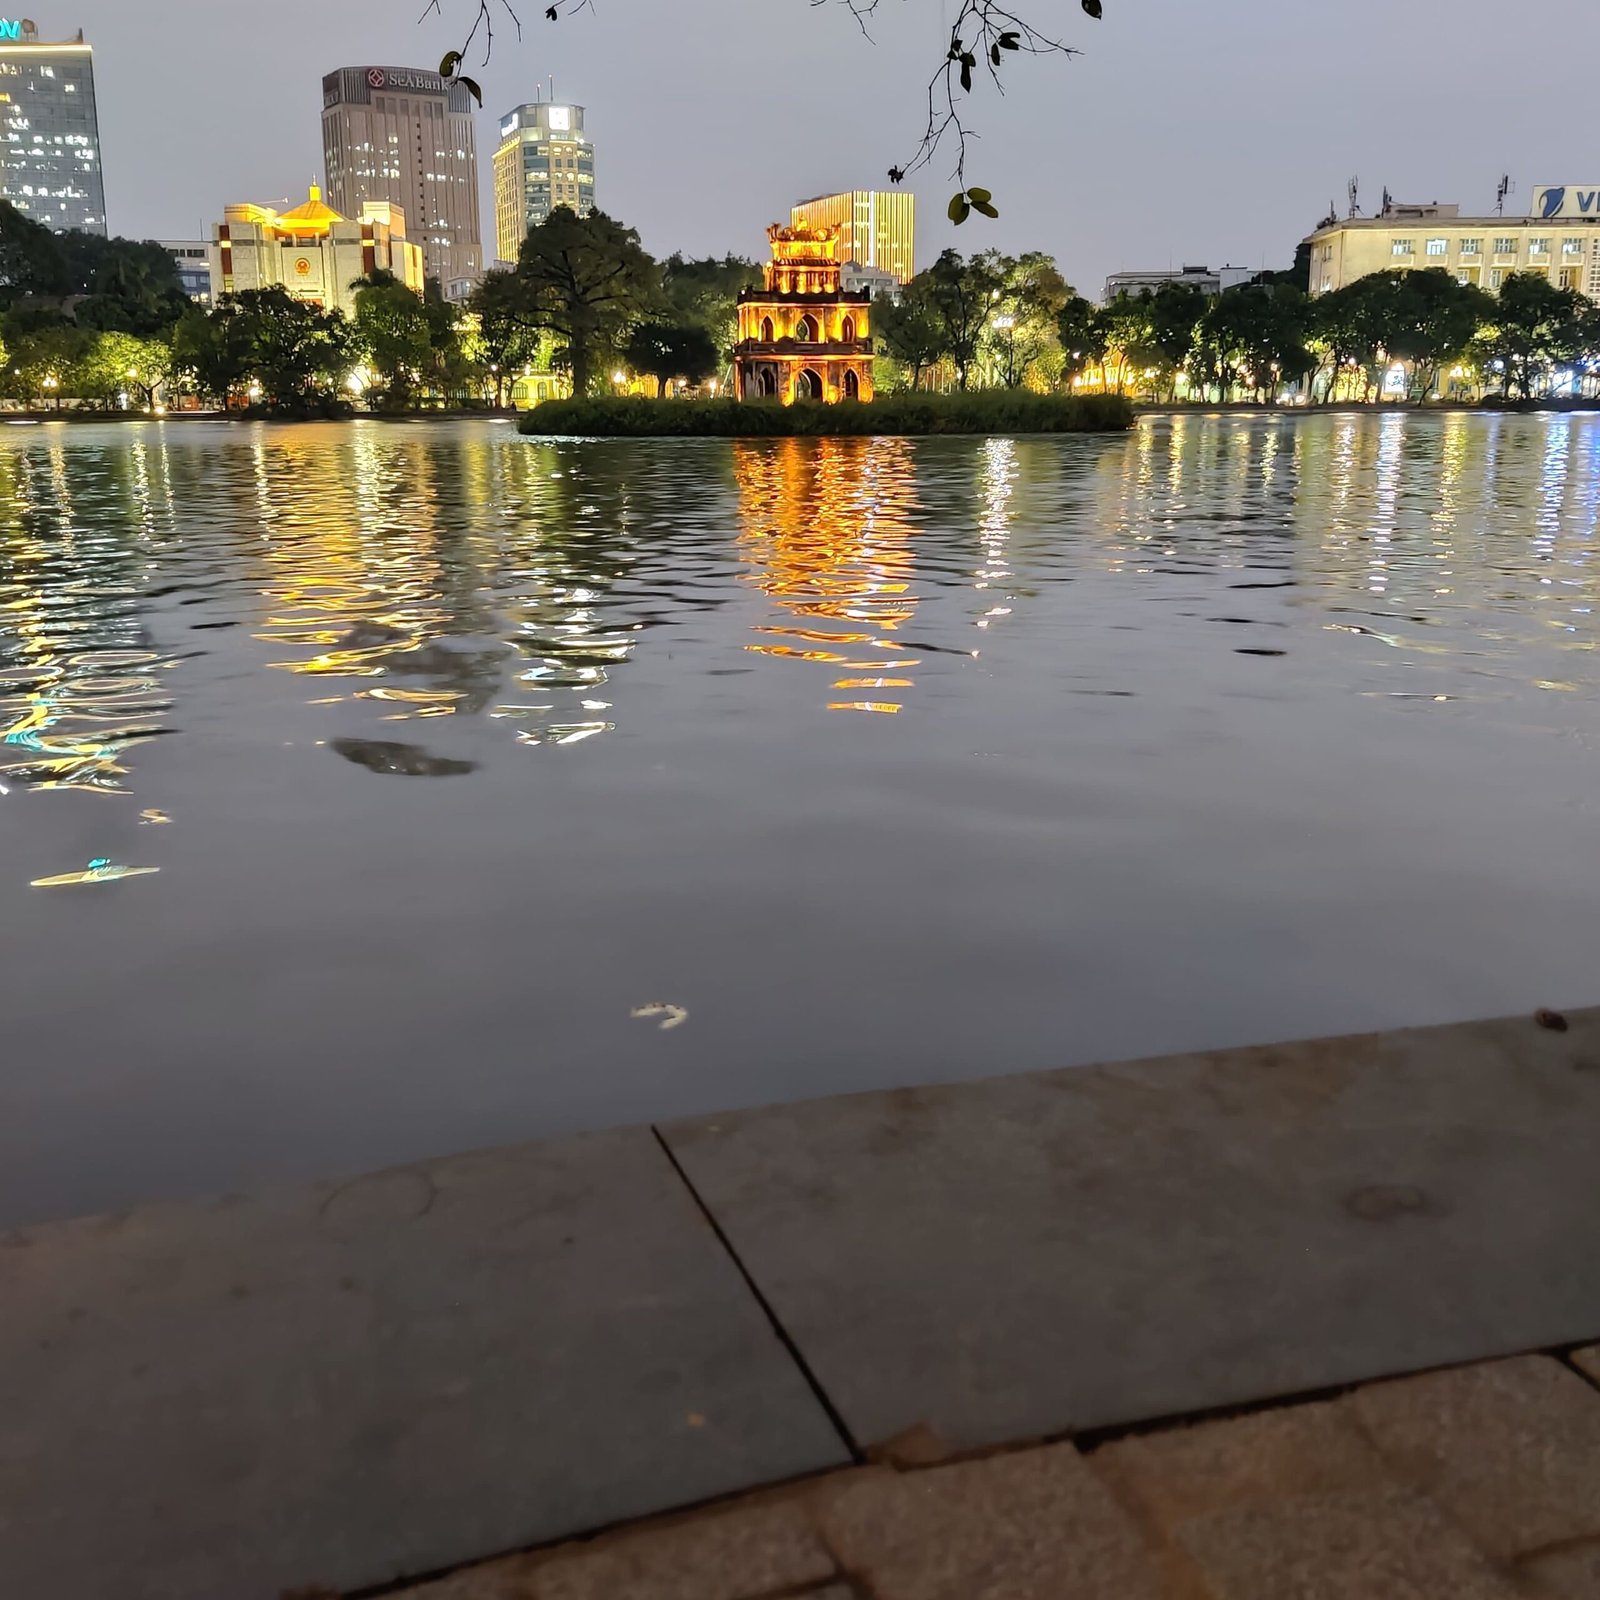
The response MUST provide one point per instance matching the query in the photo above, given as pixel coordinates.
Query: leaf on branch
(897, 174)
(550, 12)
(448, 66)
(966, 77)
(979, 197)
(984, 207)
(994, 55)
(471, 86)
(1010, 41)
(1093, 7)
(958, 209)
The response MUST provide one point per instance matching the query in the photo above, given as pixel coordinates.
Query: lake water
(885, 761)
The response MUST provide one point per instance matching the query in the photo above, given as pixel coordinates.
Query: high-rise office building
(405, 135)
(876, 227)
(50, 152)
(544, 160)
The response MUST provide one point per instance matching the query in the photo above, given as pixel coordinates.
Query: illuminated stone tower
(802, 337)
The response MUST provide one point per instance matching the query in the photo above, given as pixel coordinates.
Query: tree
(213, 351)
(505, 341)
(667, 350)
(1253, 336)
(705, 291)
(114, 364)
(296, 351)
(1433, 320)
(1022, 326)
(394, 336)
(958, 294)
(1082, 334)
(585, 279)
(1534, 326)
(909, 332)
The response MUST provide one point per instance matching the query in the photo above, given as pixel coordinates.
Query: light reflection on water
(1227, 729)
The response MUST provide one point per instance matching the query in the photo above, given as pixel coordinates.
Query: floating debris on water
(151, 816)
(101, 870)
(671, 1015)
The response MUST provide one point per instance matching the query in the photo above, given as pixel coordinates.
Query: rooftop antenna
(1502, 189)
(1353, 190)
(1388, 200)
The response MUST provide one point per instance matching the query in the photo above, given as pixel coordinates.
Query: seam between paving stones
(1565, 1355)
(821, 1395)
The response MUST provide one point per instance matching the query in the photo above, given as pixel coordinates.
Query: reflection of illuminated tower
(802, 337)
(826, 527)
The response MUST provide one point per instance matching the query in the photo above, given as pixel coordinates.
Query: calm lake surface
(886, 761)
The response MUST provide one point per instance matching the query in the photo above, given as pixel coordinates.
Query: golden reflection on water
(371, 575)
(826, 527)
(79, 683)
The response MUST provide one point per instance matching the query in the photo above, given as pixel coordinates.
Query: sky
(1203, 131)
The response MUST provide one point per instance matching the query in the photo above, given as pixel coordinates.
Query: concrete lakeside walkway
(344, 1385)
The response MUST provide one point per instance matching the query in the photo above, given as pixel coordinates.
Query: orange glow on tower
(802, 337)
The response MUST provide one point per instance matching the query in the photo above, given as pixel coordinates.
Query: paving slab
(1511, 1449)
(1180, 1473)
(1375, 1544)
(345, 1383)
(1033, 1525)
(735, 1555)
(1025, 1256)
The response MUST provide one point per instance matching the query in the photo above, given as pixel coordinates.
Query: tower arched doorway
(807, 385)
(852, 386)
(805, 330)
(766, 330)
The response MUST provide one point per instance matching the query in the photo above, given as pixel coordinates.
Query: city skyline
(1125, 158)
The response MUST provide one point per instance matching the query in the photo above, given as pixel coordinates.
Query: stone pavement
(1472, 1483)
(363, 1382)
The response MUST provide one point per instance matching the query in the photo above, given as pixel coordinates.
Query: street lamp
(51, 384)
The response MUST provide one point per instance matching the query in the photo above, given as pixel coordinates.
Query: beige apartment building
(1559, 237)
(876, 228)
(312, 251)
(544, 160)
(404, 135)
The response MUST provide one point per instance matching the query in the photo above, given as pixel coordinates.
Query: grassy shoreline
(988, 411)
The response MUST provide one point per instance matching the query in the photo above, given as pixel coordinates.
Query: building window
(1569, 277)
(1572, 247)
(1438, 247)
(1496, 277)
(1472, 247)
(1505, 246)
(1466, 275)
(1539, 247)
(1403, 247)
(847, 330)
(766, 330)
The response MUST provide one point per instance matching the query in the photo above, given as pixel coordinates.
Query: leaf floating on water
(100, 870)
(671, 1016)
(152, 816)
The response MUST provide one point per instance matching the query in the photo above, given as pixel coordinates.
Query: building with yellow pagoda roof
(311, 250)
(802, 336)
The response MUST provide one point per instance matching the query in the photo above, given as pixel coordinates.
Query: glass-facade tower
(50, 147)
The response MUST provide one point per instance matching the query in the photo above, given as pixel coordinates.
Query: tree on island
(668, 350)
(909, 333)
(586, 280)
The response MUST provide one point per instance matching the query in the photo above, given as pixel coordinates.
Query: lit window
(1539, 247)
(1438, 247)
(1572, 247)
(1403, 247)
(1505, 246)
